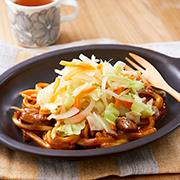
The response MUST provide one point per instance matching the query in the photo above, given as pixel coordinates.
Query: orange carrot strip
(77, 99)
(56, 84)
(118, 102)
(127, 104)
(99, 66)
(72, 73)
(54, 97)
(119, 90)
(113, 127)
(83, 65)
(128, 76)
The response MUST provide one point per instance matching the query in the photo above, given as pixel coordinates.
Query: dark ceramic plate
(41, 69)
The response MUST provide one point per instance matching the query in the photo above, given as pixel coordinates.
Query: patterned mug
(38, 26)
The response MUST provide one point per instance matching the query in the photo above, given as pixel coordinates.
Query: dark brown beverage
(32, 2)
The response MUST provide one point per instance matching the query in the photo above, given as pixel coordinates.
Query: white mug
(38, 26)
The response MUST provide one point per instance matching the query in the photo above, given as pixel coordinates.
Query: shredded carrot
(77, 99)
(127, 104)
(113, 127)
(54, 97)
(72, 73)
(119, 90)
(118, 102)
(83, 65)
(99, 66)
(56, 84)
(132, 78)
(128, 76)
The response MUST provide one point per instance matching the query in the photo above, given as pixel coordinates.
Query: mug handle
(72, 16)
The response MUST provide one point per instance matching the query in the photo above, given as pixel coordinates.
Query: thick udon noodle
(43, 132)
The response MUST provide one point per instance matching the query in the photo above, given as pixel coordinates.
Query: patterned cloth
(161, 156)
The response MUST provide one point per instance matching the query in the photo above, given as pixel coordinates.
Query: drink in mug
(37, 23)
(32, 2)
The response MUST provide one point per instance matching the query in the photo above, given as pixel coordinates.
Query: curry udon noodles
(90, 104)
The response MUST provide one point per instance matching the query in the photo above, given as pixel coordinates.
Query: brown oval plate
(41, 69)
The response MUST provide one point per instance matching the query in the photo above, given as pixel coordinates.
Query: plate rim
(77, 154)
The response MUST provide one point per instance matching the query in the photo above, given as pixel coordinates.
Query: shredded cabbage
(111, 114)
(71, 129)
(96, 94)
(140, 107)
(98, 122)
(94, 105)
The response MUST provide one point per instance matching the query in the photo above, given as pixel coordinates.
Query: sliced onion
(104, 123)
(45, 94)
(104, 91)
(82, 76)
(71, 112)
(94, 124)
(119, 96)
(82, 115)
(112, 93)
(90, 73)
